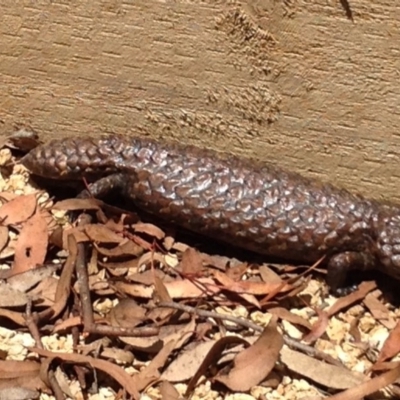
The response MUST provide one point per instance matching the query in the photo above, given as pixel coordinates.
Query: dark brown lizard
(252, 205)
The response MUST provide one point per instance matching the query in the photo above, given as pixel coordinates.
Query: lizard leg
(340, 264)
(105, 185)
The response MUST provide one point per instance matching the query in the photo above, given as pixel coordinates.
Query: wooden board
(295, 83)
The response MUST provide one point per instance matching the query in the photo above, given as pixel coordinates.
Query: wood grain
(292, 82)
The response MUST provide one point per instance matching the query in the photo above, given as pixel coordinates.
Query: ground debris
(119, 307)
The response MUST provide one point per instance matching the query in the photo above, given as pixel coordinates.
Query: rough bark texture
(295, 83)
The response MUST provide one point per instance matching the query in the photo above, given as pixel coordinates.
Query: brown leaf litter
(114, 307)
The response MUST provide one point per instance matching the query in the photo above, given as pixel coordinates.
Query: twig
(211, 314)
(89, 326)
(31, 323)
(294, 344)
(57, 391)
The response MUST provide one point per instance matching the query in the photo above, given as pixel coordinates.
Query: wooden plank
(295, 83)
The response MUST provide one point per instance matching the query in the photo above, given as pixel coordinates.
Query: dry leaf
(153, 344)
(10, 297)
(286, 315)
(46, 291)
(363, 289)
(147, 277)
(26, 280)
(354, 331)
(127, 314)
(168, 391)
(9, 250)
(369, 387)
(191, 263)
(18, 393)
(318, 328)
(4, 237)
(67, 324)
(188, 362)
(8, 196)
(220, 262)
(64, 284)
(122, 356)
(63, 381)
(78, 233)
(24, 374)
(186, 288)
(116, 226)
(236, 273)
(379, 310)
(101, 234)
(202, 329)
(211, 359)
(269, 275)
(151, 373)
(122, 377)
(248, 287)
(31, 246)
(131, 265)
(93, 347)
(124, 249)
(160, 294)
(178, 289)
(149, 229)
(150, 257)
(18, 318)
(168, 242)
(328, 375)
(391, 347)
(160, 291)
(133, 290)
(18, 210)
(253, 364)
(78, 204)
